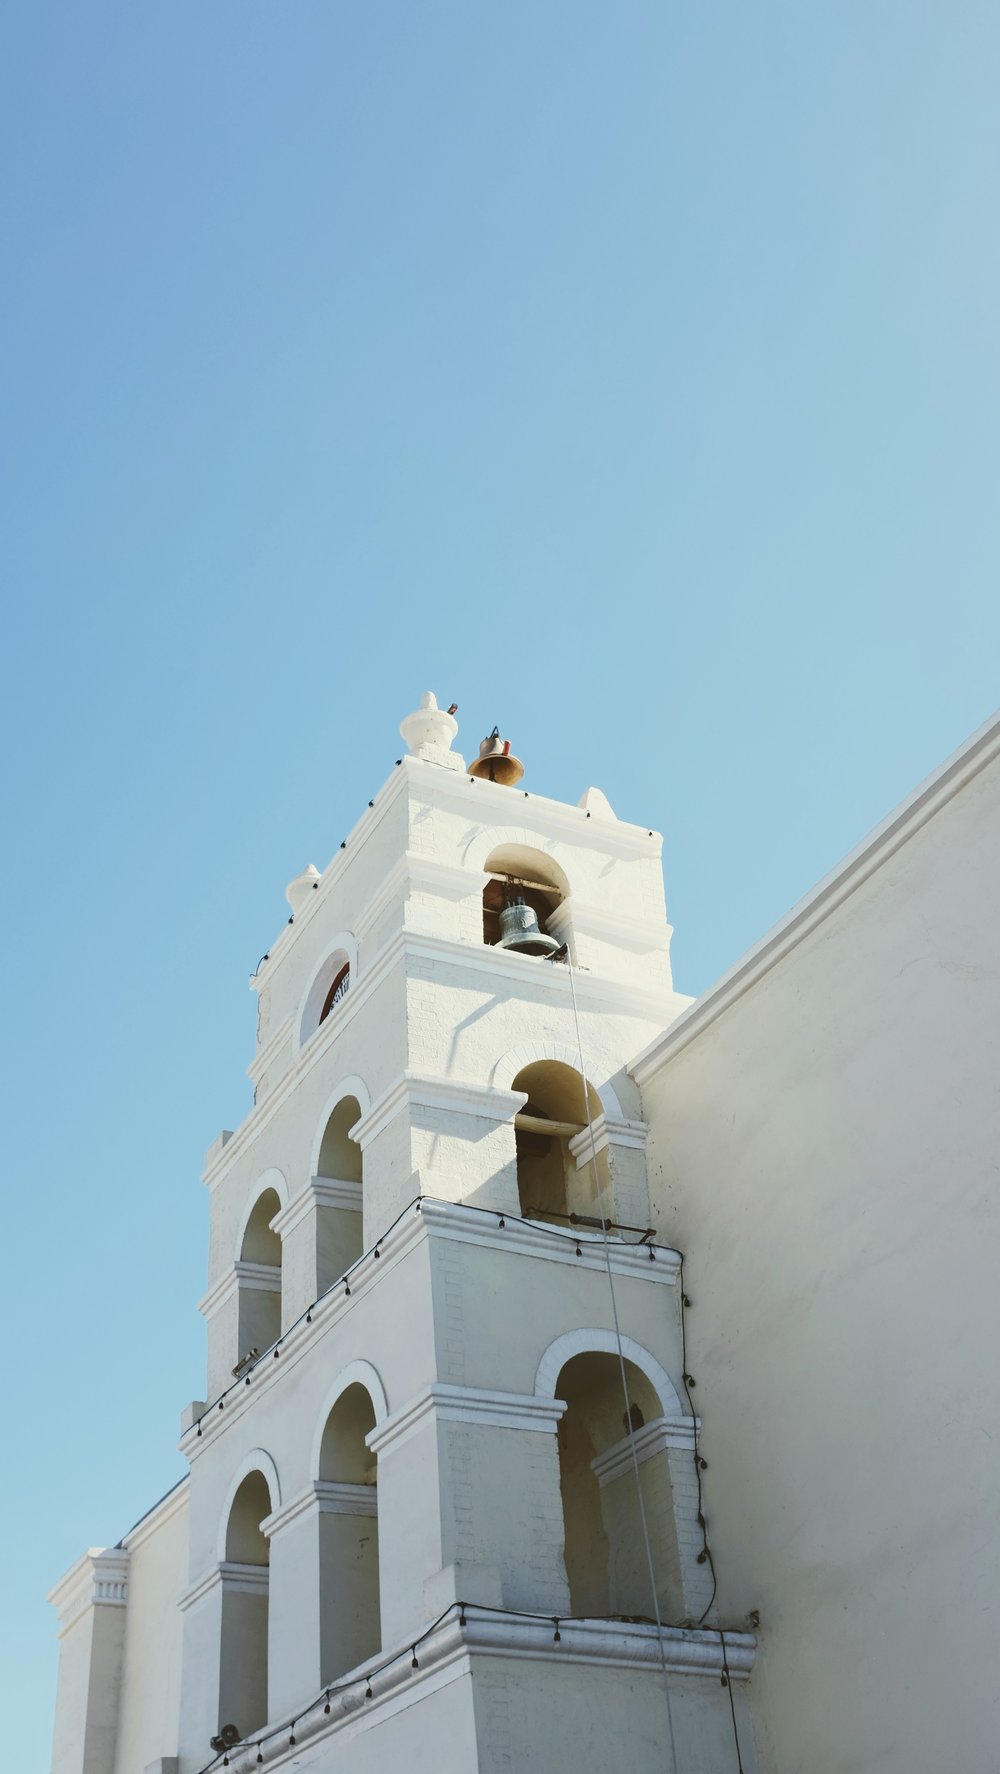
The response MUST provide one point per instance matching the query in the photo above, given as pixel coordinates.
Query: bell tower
(443, 1494)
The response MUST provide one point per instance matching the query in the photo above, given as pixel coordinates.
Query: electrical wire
(647, 1545)
(321, 1701)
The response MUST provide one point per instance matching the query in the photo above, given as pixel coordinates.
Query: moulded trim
(448, 1652)
(257, 1460)
(605, 1342)
(318, 1192)
(653, 1438)
(459, 1095)
(474, 1405)
(356, 1373)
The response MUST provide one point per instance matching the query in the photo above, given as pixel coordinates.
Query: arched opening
(350, 1622)
(605, 1552)
(540, 882)
(259, 1279)
(328, 987)
(339, 1229)
(338, 989)
(243, 1662)
(555, 1169)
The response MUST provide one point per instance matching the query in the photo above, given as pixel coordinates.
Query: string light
(501, 1219)
(429, 1631)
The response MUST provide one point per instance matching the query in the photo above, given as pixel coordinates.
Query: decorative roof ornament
(298, 891)
(429, 731)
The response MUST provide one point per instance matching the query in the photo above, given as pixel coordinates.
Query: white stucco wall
(824, 1138)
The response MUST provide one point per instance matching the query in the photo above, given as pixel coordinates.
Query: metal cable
(624, 1377)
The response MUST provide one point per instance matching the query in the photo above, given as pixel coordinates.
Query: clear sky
(627, 373)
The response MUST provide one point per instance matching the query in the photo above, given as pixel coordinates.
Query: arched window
(555, 1172)
(605, 1553)
(339, 1226)
(350, 1622)
(243, 1663)
(338, 990)
(259, 1279)
(540, 882)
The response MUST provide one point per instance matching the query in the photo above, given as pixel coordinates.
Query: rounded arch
(349, 1086)
(486, 839)
(342, 951)
(356, 1373)
(268, 1179)
(530, 1053)
(257, 1460)
(605, 1342)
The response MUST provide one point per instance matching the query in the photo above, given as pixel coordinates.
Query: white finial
(429, 730)
(298, 891)
(597, 804)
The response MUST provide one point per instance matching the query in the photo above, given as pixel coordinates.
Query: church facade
(450, 1502)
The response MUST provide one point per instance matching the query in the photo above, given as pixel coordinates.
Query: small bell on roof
(496, 762)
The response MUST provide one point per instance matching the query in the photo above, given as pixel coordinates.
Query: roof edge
(821, 901)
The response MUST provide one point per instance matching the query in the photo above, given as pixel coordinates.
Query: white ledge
(323, 1497)
(474, 1405)
(318, 1192)
(652, 1439)
(251, 1579)
(416, 1090)
(98, 1579)
(452, 1648)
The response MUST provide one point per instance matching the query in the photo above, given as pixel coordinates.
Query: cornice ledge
(322, 1497)
(251, 1579)
(653, 1003)
(318, 1192)
(474, 1225)
(466, 1404)
(418, 1090)
(613, 837)
(825, 898)
(653, 1438)
(98, 1579)
(446, 1651)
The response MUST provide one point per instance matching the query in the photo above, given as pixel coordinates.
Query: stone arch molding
(495, 837)
(349, 1086)
(528, 1053)
(356, 1373)
(343, 947)
(257, 1460)
(268, 1179)
(604, 1342)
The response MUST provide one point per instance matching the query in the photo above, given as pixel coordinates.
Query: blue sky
(626, 373)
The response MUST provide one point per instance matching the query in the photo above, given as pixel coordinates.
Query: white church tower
(443, 1505)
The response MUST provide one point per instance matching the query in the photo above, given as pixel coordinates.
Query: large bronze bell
(520, 929)
(496, 762)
